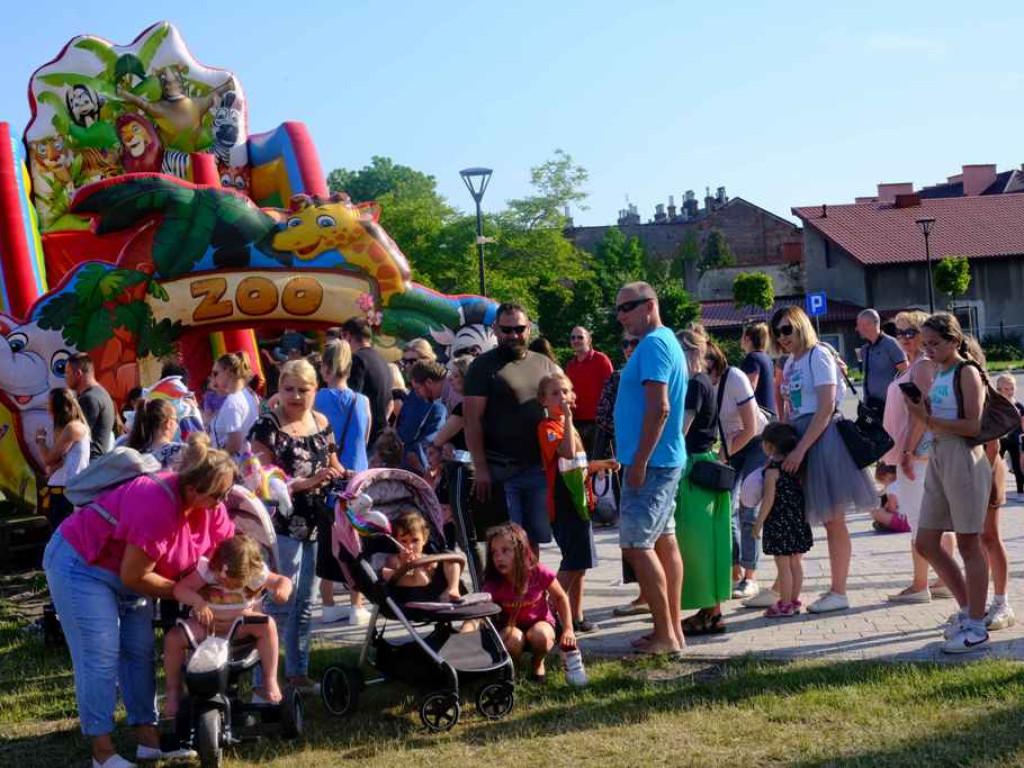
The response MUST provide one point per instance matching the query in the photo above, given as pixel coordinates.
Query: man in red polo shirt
(588, 371)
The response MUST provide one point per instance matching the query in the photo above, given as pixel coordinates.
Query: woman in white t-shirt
(832, 482)
(241, 406)
(741, 422)
(68, 456)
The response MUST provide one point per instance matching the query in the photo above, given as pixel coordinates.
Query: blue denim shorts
(648, 512)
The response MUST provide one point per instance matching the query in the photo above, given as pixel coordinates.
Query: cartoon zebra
(176, 163)
(473, 337)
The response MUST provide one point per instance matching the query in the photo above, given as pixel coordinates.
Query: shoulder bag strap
(348, 420)
(718, 413)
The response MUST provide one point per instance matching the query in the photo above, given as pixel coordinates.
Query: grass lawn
(745, 712)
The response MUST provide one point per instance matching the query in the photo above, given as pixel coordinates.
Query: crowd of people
(709, 465)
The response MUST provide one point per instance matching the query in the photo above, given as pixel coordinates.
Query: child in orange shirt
(569, 499)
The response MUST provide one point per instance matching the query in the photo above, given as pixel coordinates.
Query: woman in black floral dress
(301, 442)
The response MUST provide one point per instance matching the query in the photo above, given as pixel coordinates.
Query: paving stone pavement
(870, 629)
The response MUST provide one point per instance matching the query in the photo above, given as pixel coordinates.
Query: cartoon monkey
(83, 105)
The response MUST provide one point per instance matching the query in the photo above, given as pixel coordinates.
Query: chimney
(659, 214)
(671, 207)
(887, 192)
(908, 201)
(824, 211)
(862, 200)
(721, 197)
(977, 178)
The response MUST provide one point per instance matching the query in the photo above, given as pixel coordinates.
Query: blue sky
(783, 103)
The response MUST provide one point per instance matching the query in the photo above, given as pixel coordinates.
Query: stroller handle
(449, 557)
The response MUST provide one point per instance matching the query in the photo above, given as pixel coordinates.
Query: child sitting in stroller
(219, 590)
(431, 581)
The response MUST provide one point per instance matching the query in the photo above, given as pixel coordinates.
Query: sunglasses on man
(512, 330)
(629, 306)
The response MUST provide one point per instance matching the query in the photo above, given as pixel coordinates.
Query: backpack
(109, 471)
(999, 416)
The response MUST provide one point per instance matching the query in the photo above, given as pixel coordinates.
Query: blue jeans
(527, 497)
(294, 619)
(109, 631)
(746, 550)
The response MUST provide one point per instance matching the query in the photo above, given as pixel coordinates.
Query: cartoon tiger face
(49, 155)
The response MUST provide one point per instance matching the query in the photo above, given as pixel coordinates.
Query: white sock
(998, 601)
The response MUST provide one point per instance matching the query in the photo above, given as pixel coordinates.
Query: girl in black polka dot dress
(781, 521)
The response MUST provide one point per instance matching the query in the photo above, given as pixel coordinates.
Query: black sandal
(704, 622)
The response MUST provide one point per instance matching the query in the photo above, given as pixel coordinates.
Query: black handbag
(866, 438)
(715, 475)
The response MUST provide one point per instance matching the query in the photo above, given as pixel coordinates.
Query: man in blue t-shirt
(649, 435)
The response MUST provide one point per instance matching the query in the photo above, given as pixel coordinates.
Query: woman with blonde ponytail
(105, 565)
(241, 406)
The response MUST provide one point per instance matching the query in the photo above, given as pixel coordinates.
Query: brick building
(758, 239)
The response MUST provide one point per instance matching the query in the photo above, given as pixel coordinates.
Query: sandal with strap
(704, 622)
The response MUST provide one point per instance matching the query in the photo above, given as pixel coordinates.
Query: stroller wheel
(292, 721)
(440, 711)
(496, 700)
(208, 743)
(340, 689)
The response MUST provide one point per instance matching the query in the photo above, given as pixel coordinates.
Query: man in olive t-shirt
(501, 417)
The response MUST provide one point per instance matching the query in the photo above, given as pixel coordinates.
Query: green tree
(753, 289)
(557, 182)
(716, 252)
(953, 277)
(686, 259)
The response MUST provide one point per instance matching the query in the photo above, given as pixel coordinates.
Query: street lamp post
(926, 225)
(476, 180)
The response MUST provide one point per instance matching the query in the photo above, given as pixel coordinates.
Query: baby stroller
(442, 664)
(212, 714)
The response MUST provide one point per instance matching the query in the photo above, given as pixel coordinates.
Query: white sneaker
(143, 752)
(358, 616)
(966, 640)
(746, 589)
(333, 613)
(765, 598)
(575, 674)
(1000, 617)
(828, 603)
(953, 625)
(116, 761)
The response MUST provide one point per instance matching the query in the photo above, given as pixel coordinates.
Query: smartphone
(911, 390)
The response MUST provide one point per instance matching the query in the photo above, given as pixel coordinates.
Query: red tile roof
(978, 227)
(723, 314)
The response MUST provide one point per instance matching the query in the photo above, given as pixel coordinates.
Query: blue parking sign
(817, 304)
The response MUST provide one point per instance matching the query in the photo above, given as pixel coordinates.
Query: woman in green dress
(703, 516)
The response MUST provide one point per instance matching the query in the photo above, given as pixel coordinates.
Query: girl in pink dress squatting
(220, 590)
(522, 587)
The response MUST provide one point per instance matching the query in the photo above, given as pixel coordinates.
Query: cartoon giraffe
(316, 225)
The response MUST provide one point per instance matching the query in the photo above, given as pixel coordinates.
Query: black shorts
(574, 536)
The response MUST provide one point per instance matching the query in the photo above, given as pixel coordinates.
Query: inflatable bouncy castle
(140, 219)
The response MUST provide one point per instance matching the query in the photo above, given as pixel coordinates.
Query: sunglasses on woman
(783, 330)
(909, 333)
(630, 343)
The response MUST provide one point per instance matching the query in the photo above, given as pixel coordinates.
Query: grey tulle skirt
(833, 486)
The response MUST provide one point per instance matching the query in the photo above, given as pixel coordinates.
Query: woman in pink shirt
(104, 566)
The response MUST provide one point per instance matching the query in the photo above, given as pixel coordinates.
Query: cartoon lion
(142, 150)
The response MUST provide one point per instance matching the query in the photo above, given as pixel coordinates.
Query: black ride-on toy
(212, 716)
